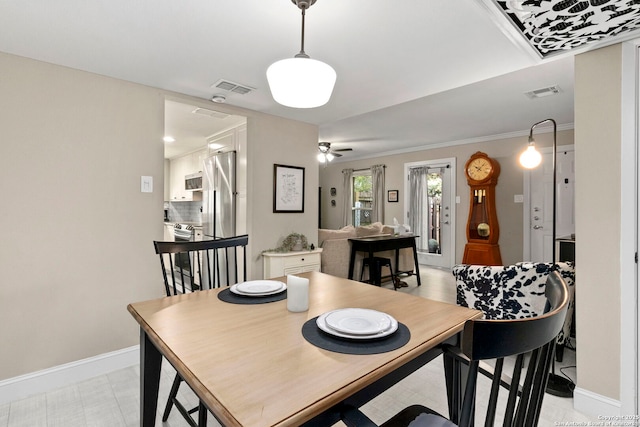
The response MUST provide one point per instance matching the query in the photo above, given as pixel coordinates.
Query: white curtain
(418, 205)
(347, 177)
(377, 181)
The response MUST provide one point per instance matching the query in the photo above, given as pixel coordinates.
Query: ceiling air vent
(233, 87)
(546, 91)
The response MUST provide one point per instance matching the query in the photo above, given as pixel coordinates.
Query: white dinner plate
(258, 288)
(320, 321)
(358, 321)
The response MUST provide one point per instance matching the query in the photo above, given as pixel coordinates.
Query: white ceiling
(190, 126)
(410, 72)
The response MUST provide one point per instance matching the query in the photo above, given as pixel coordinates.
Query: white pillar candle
(297, 293)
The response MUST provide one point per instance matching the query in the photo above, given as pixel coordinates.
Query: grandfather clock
(482, 226)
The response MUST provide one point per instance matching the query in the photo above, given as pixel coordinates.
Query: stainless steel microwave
(193, 182)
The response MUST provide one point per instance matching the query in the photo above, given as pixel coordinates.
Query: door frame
(526, 208)
(451, 162)
(629, 195)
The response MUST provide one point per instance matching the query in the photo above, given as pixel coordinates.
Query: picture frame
(288, 189)
(392, 196)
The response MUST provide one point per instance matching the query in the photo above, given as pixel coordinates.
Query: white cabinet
(167, 180)
(224, 141)
(178, 169)
(176, 172)
(276, 264)
(197, 160)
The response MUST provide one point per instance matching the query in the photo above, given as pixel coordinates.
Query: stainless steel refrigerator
(219, 195)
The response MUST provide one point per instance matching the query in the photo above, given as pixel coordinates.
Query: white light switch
(518, 198)
(457, 199)
(146, 184)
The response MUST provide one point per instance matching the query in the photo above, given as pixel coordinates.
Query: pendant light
(301, 82)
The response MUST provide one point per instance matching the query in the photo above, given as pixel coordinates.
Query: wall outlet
(518, 198)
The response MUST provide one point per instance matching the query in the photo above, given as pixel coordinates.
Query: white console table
(276, 264)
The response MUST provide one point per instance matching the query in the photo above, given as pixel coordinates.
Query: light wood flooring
(113, 400)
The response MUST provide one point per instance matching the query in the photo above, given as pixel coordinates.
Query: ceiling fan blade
(336, 154)
(342, 149)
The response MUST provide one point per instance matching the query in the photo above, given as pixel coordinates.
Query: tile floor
(113, 400)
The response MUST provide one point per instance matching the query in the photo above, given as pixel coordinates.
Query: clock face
(479, 169)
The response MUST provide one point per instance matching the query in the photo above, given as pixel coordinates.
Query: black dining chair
(194, 266)
(531, 339)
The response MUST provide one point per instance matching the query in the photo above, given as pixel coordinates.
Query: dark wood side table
(373, 244)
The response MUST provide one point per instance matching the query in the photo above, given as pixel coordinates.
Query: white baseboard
(594, 404)
(62, 375)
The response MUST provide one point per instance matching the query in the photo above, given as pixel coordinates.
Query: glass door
(430, 210)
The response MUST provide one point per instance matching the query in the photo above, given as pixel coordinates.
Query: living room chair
(513, 291)
(194, 266)
(530, 339)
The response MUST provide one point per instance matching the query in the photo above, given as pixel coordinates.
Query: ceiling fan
(326, 154)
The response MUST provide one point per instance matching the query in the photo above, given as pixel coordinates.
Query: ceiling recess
(545, 91)
(233, 87)
(555, 26)
(210, 113)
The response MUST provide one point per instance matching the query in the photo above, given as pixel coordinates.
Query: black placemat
(321, 339)
(228, 296)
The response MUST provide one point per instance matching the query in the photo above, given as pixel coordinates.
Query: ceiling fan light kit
(301, 82)
(326, 154)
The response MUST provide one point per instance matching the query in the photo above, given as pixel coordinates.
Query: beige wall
(510, 183)
(279, 141)
(77, 242)
(598, 154)
(74, 146)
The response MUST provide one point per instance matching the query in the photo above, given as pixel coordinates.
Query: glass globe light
(301, 82)
(530, 158)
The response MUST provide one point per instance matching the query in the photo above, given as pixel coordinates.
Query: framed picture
(288, 189)
(392, 196)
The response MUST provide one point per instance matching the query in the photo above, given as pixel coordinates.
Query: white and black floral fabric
(513, 291)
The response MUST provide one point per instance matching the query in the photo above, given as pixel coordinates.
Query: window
(362, 188)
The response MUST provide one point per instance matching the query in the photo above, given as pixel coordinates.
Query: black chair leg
(172, 395)
(202, 415)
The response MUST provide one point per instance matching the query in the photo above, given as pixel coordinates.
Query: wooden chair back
(207, 264)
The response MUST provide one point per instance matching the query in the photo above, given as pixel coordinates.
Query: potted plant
(293, 242)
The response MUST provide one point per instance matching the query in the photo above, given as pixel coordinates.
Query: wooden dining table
(251, 366)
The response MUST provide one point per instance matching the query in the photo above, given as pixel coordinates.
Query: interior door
(432, 217)
(539, 224)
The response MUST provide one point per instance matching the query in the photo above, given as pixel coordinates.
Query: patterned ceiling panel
(554, 26)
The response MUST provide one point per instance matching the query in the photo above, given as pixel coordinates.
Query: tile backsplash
(185, 212)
